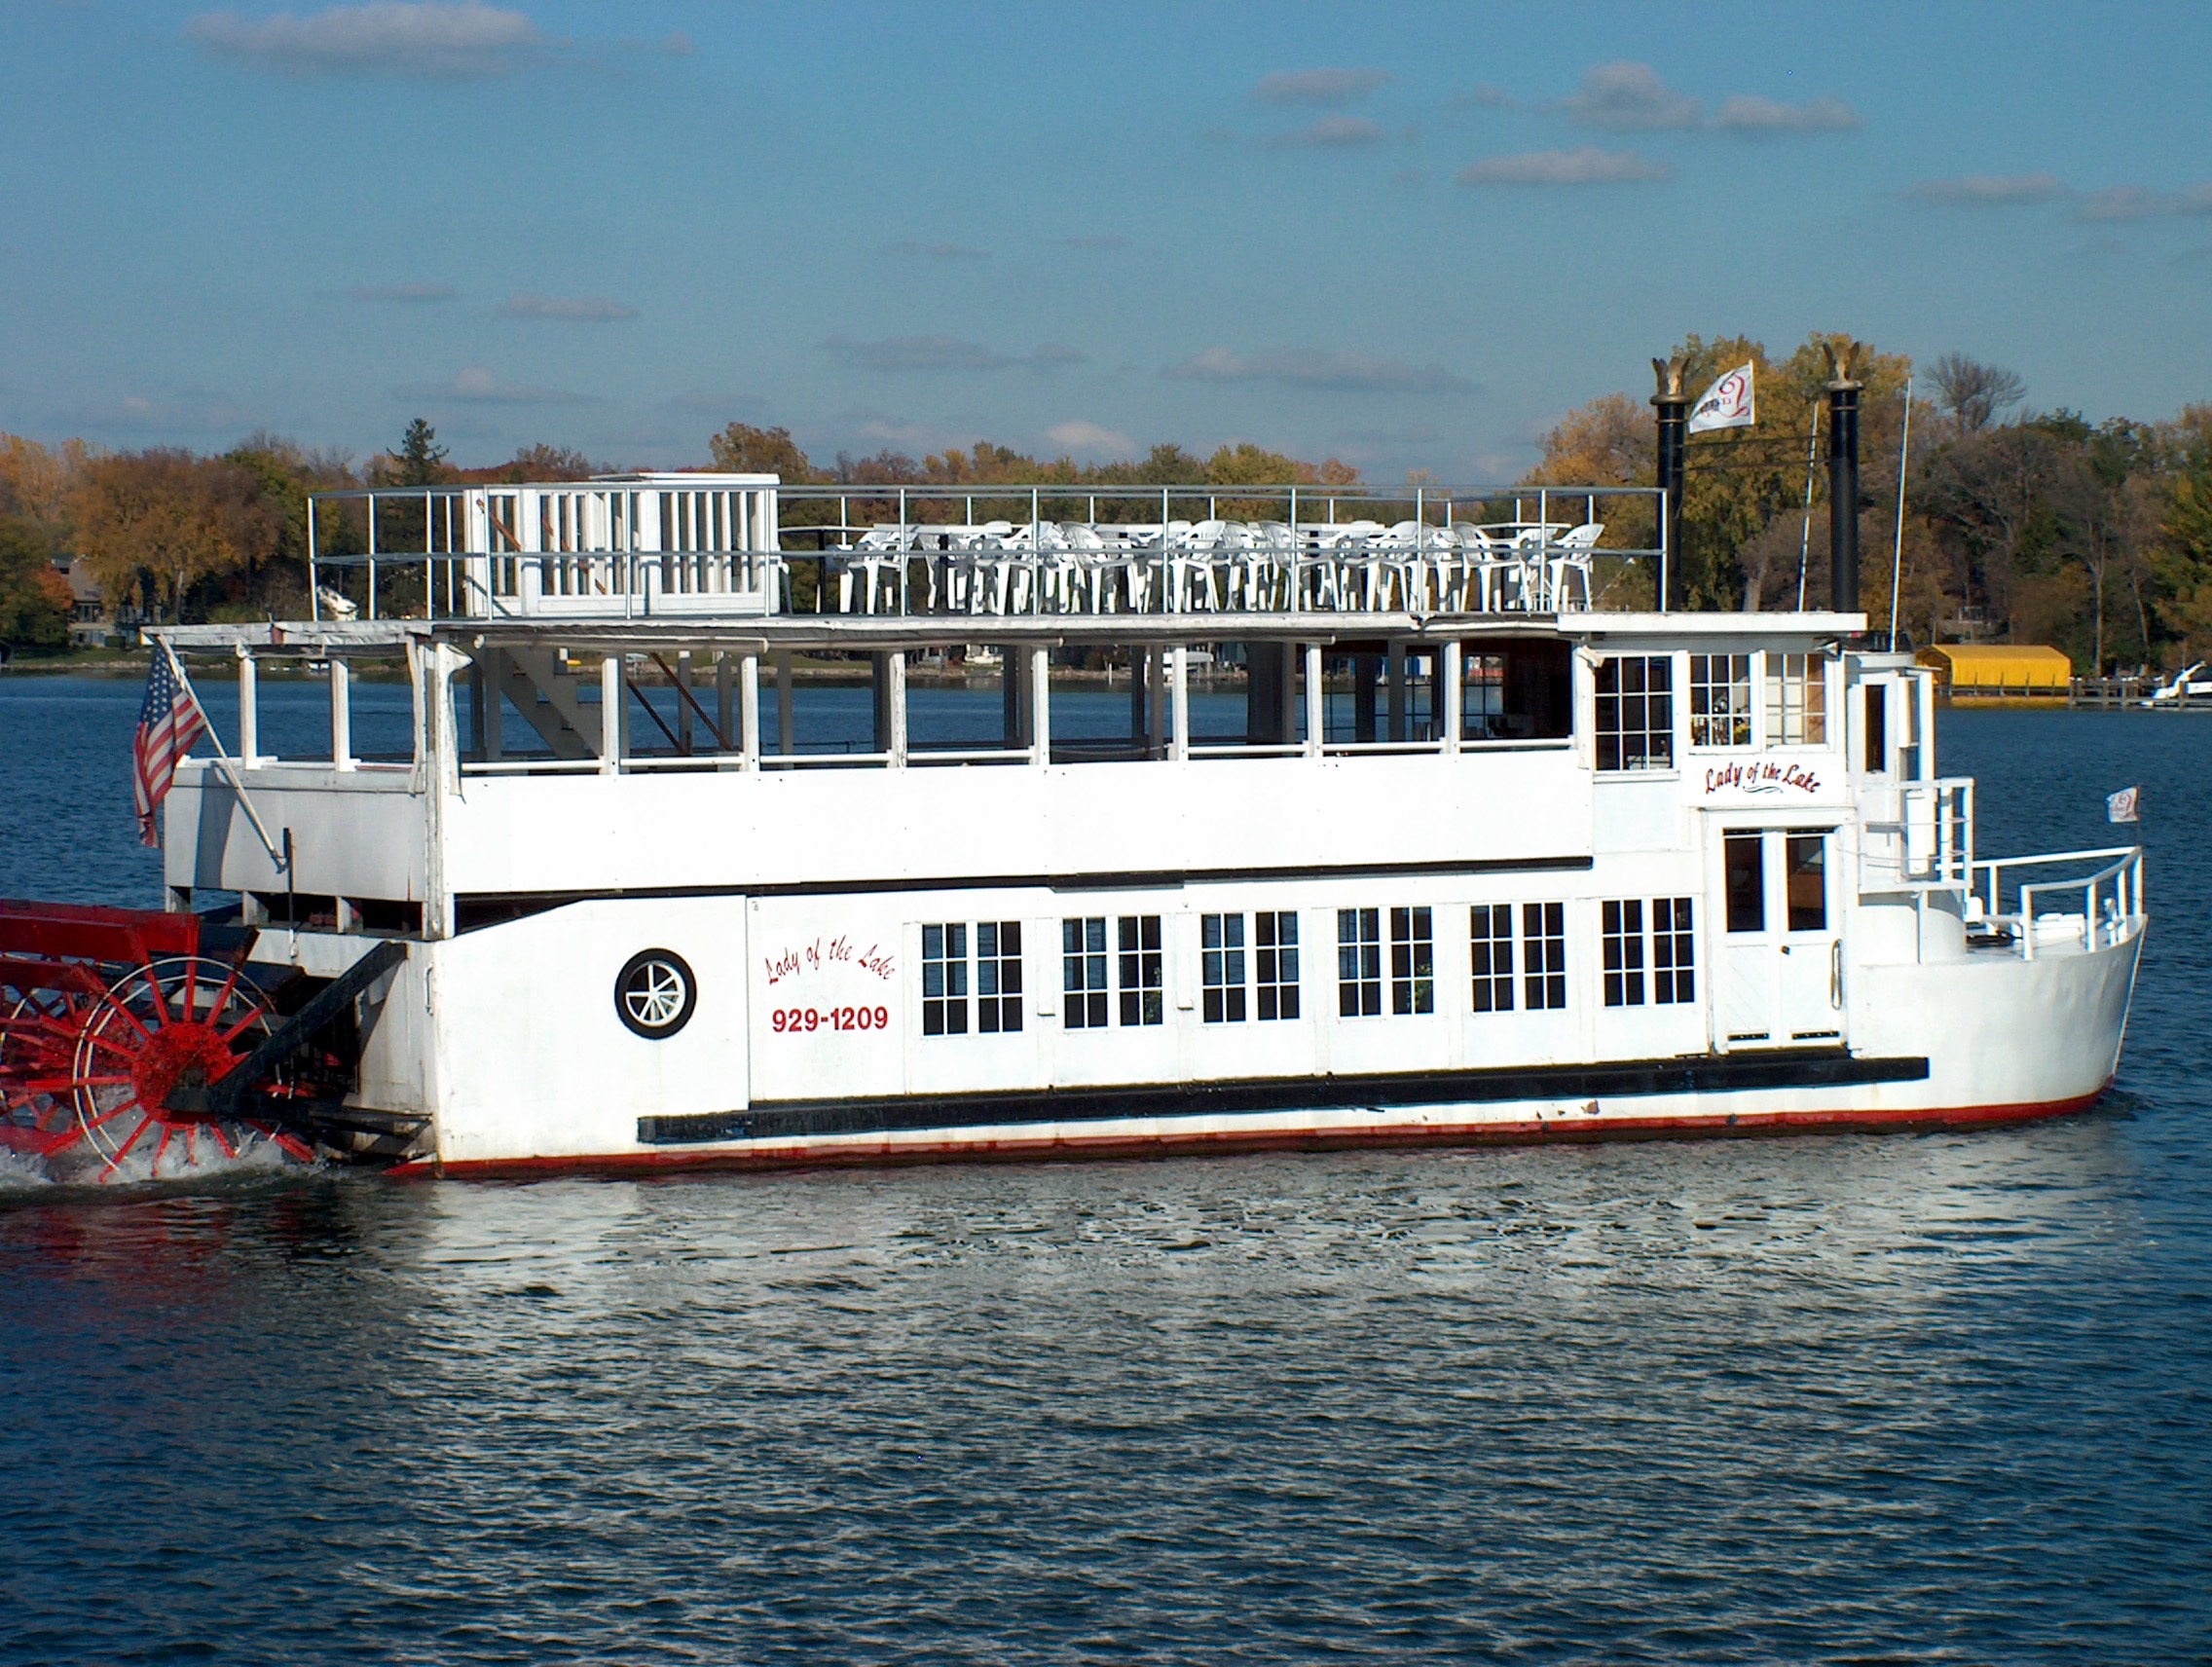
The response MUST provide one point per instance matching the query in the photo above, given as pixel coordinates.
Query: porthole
(654, 994)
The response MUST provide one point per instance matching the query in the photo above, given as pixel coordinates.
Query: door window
(1744, 858)
(1807, 869)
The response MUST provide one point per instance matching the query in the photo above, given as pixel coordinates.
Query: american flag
(169, 722)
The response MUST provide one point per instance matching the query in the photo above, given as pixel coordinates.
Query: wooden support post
(1156, 703)
(1179, 703)
(783, 702)
(685, 740)
(1399, 705)
(748, 710)
(250, 711)
(725, 695)
(1041, 706)
(610, 714)
(1448, 694)
(341, 715)
(1317, 701)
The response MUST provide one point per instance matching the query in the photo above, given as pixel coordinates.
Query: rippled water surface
(1850, 1398)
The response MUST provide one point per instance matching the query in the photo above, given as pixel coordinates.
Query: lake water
(1936, 1399)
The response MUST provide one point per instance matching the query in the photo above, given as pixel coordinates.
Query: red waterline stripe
(1533, 1133)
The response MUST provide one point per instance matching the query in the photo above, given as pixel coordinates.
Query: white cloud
(476, 385)
(1988, 190)
(1319, 86)
(2194, 200)
(189, 410)
(1586, 166)
(1751, 115)
(569, 309)
(1097, 240)
(1092, 437)
(945, 353)
(411, 293)
(1317, 368)
(1339, 133)
(386, 37)
(1631, 96)
(2122, 203)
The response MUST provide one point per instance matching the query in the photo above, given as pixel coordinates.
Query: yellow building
(1996, 671)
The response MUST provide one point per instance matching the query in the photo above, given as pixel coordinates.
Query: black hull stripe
(775, 1119)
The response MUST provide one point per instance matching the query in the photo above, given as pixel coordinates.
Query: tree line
(2036, 526)
(2019, 523)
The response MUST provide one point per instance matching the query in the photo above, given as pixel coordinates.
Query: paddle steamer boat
(687, 863)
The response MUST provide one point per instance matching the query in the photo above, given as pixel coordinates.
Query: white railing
(1917, 837)
(623, 547)
(2111, 897)
(718, 546)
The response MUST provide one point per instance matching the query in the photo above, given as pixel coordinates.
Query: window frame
(1802, 721)
(1223, 997)
(946, 1012)
(1140, 971)
(1085, 973)
(1413, 962)
(1620, 703)
(1736, 709)
(1273, 951)
(1492, 964)
(1360, 963)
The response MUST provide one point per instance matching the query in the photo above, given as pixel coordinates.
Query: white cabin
(1264, 818)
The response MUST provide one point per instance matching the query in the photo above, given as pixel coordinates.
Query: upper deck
(702, 547)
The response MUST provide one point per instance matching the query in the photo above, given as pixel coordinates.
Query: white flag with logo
(1727, 404)
(2124, 806)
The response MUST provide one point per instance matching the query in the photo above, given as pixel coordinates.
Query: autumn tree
(742, 449)
(151, 524)
(1973, 393)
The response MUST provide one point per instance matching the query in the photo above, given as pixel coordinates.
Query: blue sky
(1410, 236)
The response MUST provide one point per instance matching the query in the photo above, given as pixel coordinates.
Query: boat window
(1515, 691)
(1221, 968)
(1877, 727)
(998, 976)
(1670, 951)
(1636, 712)
(944, 981)
(1673, 951)
(1275, 936)
(1083, 973)
(1624, 952)
(1142, 987)
(1743, 859)
(1720, 700)
(1491, 941)
(1360, 963)
(1543, 954)
(1413, 962)
(1797, 700)
(1383, 692)
(1807, 867)
(948, 977)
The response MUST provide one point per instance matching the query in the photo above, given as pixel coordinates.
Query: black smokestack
(1843, 477)
(1674, 407)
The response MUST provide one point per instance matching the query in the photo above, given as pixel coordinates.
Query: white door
(1780, 983)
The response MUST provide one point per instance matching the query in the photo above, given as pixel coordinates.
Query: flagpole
(1896, 563)
(223, 762)
(1805, 539)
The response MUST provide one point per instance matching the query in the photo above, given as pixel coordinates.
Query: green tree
(419, 460)
(34, 597)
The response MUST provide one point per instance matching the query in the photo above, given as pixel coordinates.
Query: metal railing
(2110, 896)
(1917, 837)
(603, 549)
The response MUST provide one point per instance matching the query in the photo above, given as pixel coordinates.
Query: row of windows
(1112, 970)
(1636, 705)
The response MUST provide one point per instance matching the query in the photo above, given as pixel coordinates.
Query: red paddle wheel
(105, 1014)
